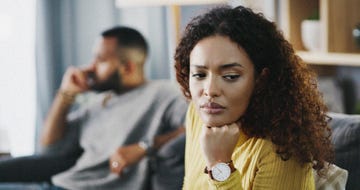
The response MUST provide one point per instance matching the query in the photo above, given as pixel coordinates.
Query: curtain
(65, 31)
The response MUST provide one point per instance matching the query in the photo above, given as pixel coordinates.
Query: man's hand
(75, 80)
(125, 156)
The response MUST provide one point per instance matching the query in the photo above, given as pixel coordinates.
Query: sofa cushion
(334, 179)
(346, 140)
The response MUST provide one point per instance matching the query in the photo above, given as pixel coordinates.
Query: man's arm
(133, 153)
(160, 140)
(55, 122)
(73, 83)
(173, 120)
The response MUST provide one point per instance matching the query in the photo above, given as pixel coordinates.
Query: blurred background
(39, 39)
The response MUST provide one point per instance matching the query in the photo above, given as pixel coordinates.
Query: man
(120, 128)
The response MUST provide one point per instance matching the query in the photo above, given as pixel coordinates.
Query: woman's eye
(198, 75)
(231, 77)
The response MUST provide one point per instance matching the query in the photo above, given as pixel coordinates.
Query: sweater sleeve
(232, 183)
(270, 172)
(274, 173)
(188, 123)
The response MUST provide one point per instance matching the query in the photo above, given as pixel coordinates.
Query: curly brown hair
(286, 105)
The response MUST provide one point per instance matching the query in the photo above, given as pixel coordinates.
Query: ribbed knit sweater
(257, 165)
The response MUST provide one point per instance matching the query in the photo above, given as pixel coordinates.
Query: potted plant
(311, 31)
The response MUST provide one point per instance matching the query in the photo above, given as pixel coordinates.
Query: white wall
(151, 22)
(17, 76)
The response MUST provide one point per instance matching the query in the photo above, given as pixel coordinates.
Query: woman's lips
(212, 108)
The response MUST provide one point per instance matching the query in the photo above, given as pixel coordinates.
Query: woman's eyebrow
(222, 67)
(198, 66)
(230, 65)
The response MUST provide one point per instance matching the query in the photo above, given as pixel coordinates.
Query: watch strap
(147, 146)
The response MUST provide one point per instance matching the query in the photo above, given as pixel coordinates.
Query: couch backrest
(346, 140)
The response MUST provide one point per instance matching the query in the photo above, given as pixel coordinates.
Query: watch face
(220, 172)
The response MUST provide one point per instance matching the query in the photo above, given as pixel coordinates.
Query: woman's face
(221, 80)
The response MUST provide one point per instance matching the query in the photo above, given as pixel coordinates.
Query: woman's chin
(216, 120)
(215, 123)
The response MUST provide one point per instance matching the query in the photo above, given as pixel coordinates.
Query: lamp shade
(132, 3)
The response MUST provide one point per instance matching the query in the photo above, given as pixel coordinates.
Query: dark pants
(36, 168)
(28, 186)
(34, 172)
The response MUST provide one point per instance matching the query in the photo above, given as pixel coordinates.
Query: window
(17, 76)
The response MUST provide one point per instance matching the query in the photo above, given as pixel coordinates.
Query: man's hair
(128, 39)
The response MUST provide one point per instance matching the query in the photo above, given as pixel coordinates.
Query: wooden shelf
(323, 58)
(337, 18)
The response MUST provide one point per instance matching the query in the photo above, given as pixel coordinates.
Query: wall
(152, 23)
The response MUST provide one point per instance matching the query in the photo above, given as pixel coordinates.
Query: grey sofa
(346, 140)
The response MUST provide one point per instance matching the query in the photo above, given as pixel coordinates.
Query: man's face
(104, 74)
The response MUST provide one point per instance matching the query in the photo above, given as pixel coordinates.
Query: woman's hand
(218, 143)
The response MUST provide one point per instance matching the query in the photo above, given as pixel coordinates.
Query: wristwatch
(220, 171)
(147, 146)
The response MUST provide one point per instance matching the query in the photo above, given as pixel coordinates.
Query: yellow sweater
(258, 166)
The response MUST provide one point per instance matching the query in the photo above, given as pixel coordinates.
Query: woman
(256, 119)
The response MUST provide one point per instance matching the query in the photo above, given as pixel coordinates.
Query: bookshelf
(338, 18)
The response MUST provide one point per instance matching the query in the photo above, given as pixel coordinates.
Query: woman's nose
(211, 87)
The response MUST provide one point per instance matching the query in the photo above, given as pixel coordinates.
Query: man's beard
(112, 83)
